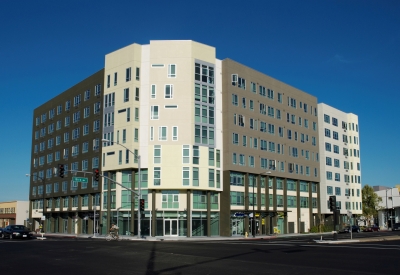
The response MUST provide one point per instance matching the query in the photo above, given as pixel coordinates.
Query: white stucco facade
(340, 159)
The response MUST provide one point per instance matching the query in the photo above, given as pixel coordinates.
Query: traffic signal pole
(96, 177)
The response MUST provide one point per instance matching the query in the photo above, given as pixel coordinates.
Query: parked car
(396, 226)
(354, 228)
(372, 228)
(16, 231)
(1, 232)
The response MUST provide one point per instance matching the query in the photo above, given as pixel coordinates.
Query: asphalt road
(347, 236)
(279, 256)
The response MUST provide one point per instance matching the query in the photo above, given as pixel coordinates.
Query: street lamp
(253, 227)
(139, 182)
(42, 179)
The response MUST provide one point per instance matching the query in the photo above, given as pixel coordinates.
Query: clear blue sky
(346, 53)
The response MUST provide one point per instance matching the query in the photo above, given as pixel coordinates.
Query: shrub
(321, 228)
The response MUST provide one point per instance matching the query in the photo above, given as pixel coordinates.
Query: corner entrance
(171, 227)
(237, 226)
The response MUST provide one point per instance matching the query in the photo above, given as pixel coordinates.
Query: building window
(170, 199)
(196, 155)
(153, 91)
(137, 73)
(128, 114)
(168, 91)
(126, 95)
(204, 73)
(241, 120)
(327, 132)
(336, 163)
(157, 176)
(327, 119)
(137, 94)
(328, 161)
(328, 147)
(157, 154)
(136, 135)
(237, 198)
(124, 136)
(128, 74)
(185, 154)
(136, 114)
(235, 139)
(234, 99)
(97, 89)
(154, 112)
(185, 176)
(171, 70)
(242, 160)
(162, 133)
(175, 133)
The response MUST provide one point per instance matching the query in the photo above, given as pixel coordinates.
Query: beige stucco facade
(14, 212)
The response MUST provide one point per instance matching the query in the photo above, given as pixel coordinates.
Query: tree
(370, 203)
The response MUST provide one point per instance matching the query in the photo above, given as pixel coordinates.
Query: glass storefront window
(199, 223)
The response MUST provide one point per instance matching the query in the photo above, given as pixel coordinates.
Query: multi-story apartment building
(270, 152)
(340, 161)
(67, 129)
(221, 149)
(175, 128)
(190, 110)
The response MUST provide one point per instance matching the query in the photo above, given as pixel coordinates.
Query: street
(277, 256)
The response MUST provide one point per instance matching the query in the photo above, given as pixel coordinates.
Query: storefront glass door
(171, 227)
(237, 227)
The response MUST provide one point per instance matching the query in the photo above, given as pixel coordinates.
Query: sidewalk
(166, 238)
(322, 238)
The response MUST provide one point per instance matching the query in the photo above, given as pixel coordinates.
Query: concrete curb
(208, 239)
(380, 239)
(338, 242)
(362, 240)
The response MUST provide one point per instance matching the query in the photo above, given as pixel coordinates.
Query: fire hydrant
(246, 234)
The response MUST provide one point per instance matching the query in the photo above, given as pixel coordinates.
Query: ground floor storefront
(170, 223)
(165, 223)
(86, 222)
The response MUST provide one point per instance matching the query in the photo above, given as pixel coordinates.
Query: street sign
(80, 179)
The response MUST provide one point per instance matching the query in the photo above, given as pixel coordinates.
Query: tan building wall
(236, 120)
(13, 212)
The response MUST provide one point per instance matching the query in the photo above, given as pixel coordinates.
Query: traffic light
(61, 170)
(332, 203)
(141, 202)
(96, 174)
